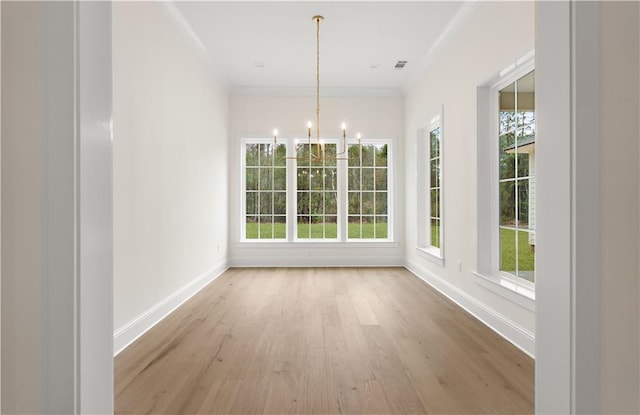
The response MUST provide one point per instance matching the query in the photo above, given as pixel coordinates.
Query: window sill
(266, 244)
(518, 293)
(431, 254)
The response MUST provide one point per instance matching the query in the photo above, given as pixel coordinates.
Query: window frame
(424, 157)
(488, 215)
(507, 80)
(292, 194)
(389, 191)
(295, 238)
(243, 193)
(436, 123)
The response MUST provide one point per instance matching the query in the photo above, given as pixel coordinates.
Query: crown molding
(454, 25)
(193, 40)
(310, 92)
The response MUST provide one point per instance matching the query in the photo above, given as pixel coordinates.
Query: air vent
(400, 65)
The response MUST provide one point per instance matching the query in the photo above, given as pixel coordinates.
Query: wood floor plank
(342, 389)
(365, 315)
(399, 390)
(371, 395)
(282, 397)
(221, 398)
(325, 341)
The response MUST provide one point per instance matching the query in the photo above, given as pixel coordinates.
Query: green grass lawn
(367, 230)
(435, 235)
(526, 255)
(279, 230)
(330, 229)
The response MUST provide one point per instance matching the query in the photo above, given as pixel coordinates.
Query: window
(429, 194)
(317, 191)
(516, 181)
(292, 195)
(368, 193)
(435, 193)
(265, 180)
(506, 182)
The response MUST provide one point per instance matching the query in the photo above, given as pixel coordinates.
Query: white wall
(495, 35)
(257, 116)
(619, 40)
(170, 168)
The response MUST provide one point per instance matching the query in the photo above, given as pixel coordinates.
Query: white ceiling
(353, 37)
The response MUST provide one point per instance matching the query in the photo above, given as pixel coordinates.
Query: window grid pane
(265, 191)
(433, 191)
(517, 178)
(317, 185)
(316, 191)
(367, 191)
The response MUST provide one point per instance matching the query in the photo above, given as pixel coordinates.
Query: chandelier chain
(318, 79)
(320, 156)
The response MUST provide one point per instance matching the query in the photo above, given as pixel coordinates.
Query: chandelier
(319, 155)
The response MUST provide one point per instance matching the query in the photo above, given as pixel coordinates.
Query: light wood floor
(321, 340)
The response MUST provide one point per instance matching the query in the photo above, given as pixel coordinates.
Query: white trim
(94, 187)
(316, 244)
(194, 41)
(513, 72)
(588, 74)
(508, 288)
(555, 318)
(255, 91)
(505, 327)
(131, 331)
(74, 351)
(311, 262)
(432, 254)
(457, 22)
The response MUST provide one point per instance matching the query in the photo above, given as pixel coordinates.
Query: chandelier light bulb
(343, 126)
(309, 125)
(275, 132)
(358, 136)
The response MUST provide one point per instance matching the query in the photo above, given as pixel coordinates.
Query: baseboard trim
(131, 331)
(303, 261)
(505, 327)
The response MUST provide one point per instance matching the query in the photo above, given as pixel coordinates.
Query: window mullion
(324, 201)
(292, 191)
(259, 196)
(375, 195)
(273, 193)
(361, 196)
